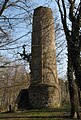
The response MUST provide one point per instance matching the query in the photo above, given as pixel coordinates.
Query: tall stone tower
(44, 91)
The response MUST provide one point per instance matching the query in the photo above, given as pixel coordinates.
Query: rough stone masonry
(44, 91)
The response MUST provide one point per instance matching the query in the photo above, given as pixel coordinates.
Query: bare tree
(12, 34)
(72, 34)
(12, 80)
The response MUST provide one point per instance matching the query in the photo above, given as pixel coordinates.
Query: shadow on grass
(57, 117)
(55, 113)
(63, 109)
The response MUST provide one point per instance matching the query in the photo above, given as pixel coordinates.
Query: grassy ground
(44, 114)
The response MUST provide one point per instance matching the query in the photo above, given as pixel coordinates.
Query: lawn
(44, 114)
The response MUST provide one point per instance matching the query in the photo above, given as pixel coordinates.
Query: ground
(44, 114)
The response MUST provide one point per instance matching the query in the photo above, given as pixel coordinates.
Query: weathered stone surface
(44, 89)
(22, 101)
(44, 96)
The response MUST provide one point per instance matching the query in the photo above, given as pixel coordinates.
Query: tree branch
(79, 16)
(72, 3)
(63, 19)
(3, 7)
(64, 8)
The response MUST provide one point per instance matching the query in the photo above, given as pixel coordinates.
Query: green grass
(61, 113)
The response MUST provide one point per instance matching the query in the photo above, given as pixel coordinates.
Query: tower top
(42, 7)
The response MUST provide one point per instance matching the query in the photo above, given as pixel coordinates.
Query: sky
(21, 28)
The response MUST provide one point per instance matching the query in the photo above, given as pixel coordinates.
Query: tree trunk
(77, 69)
(75, 53)
(73, 89)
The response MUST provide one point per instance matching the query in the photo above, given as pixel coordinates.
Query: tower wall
(44, 89)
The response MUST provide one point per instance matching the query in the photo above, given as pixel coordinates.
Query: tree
(11, 28)
(12, 23)
(5, 27)
(72, 34)
(12, 80)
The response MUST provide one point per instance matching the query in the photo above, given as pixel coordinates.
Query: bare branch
(79, 15)
(63, 19)
(71, 10)
(15, 40)
(3, 7)
(64, 8)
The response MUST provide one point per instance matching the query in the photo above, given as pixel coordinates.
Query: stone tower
(44, 91)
